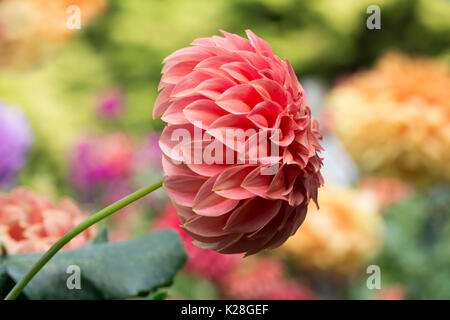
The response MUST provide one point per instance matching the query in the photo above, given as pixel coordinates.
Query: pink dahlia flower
(32, 223)
(247, 166)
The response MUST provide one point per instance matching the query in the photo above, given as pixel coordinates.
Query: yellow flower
(345, 233)
(395, 118)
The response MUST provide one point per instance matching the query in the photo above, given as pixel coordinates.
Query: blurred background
(76, 120)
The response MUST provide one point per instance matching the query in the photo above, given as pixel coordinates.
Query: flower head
(395, 118)
(102, 160)
(111, 102)
(245, 123)
(15, 139)
(387, 190)
(345, 234)
(32, 223)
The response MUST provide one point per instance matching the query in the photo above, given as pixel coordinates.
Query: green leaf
(158, 295)
(191, 287)
(114, 270)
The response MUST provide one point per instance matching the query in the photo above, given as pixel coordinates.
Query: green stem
(102, 214)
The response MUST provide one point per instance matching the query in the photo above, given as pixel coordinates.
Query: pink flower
(32, 223)
(263, 279)
(231, 204)
(201, 262)
(111, 103)
(393, 292)
(101, 160)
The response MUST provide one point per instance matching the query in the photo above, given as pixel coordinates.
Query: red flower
(263, 279)
(202, 262)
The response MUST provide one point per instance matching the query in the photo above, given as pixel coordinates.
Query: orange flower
(32, 223)
(387, 190)
(342, 236)
(30, 29)
(395, 118)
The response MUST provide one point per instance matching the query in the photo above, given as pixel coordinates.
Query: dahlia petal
(257, 183)
(206, 226)
(204, 42)
(239, 99)
(293, 81)
(241, 71)
(189, 53)
(257, 149)
(284, 233)
(171, 168)
(278, 188)
(223, 43)
(259, 239)
(286, 132)
(212, 66)
(297, 155)
(228, 183)
(239, 42)
(271, 90)
(175, 187)
(265, 114)
(163, 101)
(204, 242)
(170, 143)
(303, 122)
(255, 60)
(304, 144)
(213, 88)
(203, 111)
(210, 204)
(186, 86)
(300, 215)
(298, 193)
(233, 125)
(204, 168)
(252, 215)
(177, 71)
(184, 213)
(174, 113)
(259, 44)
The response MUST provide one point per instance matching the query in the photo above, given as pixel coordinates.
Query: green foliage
(417, 249)
(193, 288)
(116, 270)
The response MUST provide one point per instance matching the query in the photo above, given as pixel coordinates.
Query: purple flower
(149, 154)
(101, 161)
(15, 140)
(111, 103)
